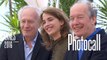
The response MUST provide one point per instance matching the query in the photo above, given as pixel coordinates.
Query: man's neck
(28, 41)
(91, 31)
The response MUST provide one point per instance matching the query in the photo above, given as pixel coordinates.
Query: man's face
(80, 21)
(29, 22)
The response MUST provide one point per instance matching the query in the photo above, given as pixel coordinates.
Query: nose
(26, 24)
(46, 24)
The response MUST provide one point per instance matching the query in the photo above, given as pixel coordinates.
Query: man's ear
(19, 27)
(94, 20)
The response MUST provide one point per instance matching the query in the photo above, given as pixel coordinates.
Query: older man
(82, 23)
(28, 44)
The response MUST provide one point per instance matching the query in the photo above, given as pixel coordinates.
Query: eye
(51, 19)
(80, 17)
(22, 21)
(43, 22)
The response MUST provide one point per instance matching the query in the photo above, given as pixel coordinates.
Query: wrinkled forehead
(79, 8)
(29, 12)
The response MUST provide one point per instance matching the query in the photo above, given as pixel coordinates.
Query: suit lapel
(74, 54)
(87, 54)
(20, 47)
(36, 47)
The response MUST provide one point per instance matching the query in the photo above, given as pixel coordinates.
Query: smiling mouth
(27, 31)
(48, 29)
(78, 28)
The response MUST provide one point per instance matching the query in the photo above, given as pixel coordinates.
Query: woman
(54, 30)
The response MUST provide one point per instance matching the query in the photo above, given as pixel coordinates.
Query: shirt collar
(33, 41)
(93, 34)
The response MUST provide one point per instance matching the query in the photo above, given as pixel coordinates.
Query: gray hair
(38, 11)
(92, 10)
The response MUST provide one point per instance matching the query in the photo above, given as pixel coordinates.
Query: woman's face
(51, 24)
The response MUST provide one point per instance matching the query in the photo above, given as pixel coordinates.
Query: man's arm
(102, 54)
(3, 53)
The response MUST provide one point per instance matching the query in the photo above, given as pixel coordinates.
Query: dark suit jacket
(91, 55)
(17, 50)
